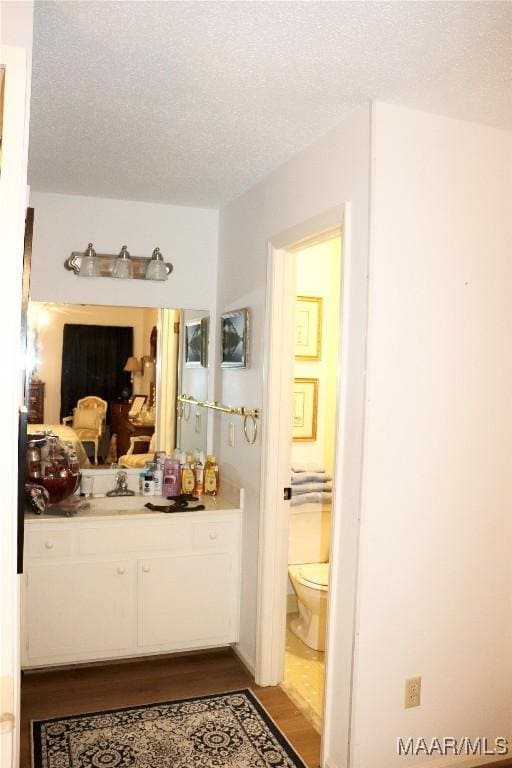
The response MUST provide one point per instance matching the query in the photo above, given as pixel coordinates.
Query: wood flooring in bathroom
(108, 686)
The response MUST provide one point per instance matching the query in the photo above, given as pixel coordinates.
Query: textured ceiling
(193, 102)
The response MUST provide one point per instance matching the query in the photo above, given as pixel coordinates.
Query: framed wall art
(235, 339)
(194, 345)
(308, 328)
(305, 409)
(205, 340)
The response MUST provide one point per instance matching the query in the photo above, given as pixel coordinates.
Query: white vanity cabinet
(119, 587)
(80, 608)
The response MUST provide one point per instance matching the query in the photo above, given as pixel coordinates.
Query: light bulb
(156, 268)
(123, 264)
(89, 265)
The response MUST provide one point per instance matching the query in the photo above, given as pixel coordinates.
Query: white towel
(310, 467)
(309, 498)
(299, 478)
(310, 488)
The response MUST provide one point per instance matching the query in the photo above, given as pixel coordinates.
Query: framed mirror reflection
(106, 379)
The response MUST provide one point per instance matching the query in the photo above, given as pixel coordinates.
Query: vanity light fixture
(122, 265)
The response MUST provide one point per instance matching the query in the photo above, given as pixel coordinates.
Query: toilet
(308, 569)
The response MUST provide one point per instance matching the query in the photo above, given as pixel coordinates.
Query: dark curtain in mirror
(93, 358)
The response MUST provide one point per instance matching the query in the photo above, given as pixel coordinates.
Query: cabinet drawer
(49, 543)
(169, 536)
(214, 536)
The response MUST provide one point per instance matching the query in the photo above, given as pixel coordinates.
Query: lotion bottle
(171, 481)
(188, 478)
(211, 476)
(199, 475)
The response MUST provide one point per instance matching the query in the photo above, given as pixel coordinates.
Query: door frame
(275, 475)
(13, 206)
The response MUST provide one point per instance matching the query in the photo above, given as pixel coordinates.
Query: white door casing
(276, 463)
(340, 644)
(13, 197)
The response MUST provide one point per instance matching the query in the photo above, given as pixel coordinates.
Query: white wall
(331, 172)
(318, 274)
(187, 238)
(435, 579)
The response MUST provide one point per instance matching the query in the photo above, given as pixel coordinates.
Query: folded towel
(310, 477)
(310, 488)
(310, 498)
(309, 467)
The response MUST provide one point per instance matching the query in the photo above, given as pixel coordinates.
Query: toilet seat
(314, 575)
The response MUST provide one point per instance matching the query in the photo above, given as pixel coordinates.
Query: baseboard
(244, 658)
(119, 660)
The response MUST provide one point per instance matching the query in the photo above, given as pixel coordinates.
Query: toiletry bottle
(158, 472)
(199, 476)
(142, 476)
(148, 485)
(211, 477)
(158, 477)
(188, 479)
(172, 478)
(182, 458)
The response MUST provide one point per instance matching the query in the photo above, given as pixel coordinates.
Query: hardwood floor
(92, 688)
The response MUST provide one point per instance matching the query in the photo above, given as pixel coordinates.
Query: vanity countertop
(132, 507)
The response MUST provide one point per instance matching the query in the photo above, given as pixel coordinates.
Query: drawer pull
(121, 570)
(146, 568)
(48, 544)
(213, 534)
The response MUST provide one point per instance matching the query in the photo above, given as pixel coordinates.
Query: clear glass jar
(53, 464)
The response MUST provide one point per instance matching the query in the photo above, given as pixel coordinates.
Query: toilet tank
(309, 534)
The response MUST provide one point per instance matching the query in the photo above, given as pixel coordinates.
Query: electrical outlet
(231, 434)
(412, 692)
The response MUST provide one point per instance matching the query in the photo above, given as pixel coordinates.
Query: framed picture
(235, 338)
(305, 409)
(194, 343)
(308, 328)
(205, 338)
(136, 406)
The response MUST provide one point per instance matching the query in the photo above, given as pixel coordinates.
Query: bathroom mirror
(122, 357)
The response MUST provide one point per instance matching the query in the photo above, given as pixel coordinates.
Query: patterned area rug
(226, 730)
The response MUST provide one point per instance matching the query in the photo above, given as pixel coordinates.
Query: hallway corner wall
(332, 171)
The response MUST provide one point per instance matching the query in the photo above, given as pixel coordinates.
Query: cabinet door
(187, 601)
(81, 608)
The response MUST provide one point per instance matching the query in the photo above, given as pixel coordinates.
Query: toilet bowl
(310, 582)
